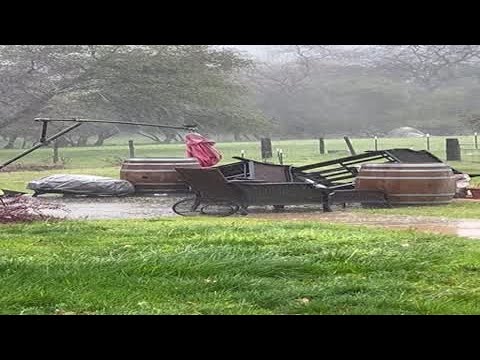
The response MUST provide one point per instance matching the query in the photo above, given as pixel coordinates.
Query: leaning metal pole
(43, 142)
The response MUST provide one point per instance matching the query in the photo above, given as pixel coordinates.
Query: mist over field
(240, 92)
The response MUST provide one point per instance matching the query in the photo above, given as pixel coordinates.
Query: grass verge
(233, 266)
(457, 210)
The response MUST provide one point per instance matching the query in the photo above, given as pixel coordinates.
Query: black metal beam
(78, 120)
(43, 136)
(342, 160)
(38, 146)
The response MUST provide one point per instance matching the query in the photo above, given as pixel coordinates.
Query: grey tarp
(81, 185)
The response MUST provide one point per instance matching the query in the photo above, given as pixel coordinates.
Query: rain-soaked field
(135, 256)
(105, 161)
(448, 221)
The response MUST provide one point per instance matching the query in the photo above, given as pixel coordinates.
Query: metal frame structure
(45, 141)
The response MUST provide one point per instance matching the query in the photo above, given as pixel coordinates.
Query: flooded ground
(160, 206)
(115, 208)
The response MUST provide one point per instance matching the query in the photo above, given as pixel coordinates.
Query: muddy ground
(160, 206)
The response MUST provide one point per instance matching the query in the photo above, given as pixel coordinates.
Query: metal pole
(428, 142)
(44, 132)
(376, 143)
(185, 127)
(350, 146)
(476, 141)
(38, 146)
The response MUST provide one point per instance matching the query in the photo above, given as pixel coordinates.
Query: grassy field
(456, 210)
(233, 266)
(106, 160)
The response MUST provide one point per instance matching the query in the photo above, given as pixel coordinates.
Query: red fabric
(202, 149)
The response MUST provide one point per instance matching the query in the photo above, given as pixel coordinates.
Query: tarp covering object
(82, 185)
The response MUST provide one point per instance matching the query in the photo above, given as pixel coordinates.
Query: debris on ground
(81, 185)
(15, 209)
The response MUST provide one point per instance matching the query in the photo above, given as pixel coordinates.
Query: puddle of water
(114, 208)
(142, 207)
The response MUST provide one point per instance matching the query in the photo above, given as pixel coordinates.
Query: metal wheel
(220, 209)
(187, 207)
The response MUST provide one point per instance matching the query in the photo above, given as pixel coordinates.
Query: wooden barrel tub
(156, 175)
(409, 184)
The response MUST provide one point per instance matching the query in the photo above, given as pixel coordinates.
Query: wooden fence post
(55, 152)
(453, 150)
(322, 146)
(266, 144)
(280, 156)
(131, 148)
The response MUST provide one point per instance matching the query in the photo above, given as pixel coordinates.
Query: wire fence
(296, 152)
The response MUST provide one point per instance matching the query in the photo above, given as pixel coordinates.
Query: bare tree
(427, 65)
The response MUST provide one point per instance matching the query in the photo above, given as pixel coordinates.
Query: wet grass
(456, 210)
(233, 266)
(296, 152)
(106, 160)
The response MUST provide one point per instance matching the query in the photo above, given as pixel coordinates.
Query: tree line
(164, 84)
(370, 90)
(308, 90)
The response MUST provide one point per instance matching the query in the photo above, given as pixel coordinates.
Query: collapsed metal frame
(340, 172)
(346, 168)
(45, 141)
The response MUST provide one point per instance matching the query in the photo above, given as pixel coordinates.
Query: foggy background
(240, 92)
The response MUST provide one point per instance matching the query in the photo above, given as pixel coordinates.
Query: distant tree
(169, 84)
(430, 66)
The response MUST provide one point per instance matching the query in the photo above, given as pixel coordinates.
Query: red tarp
(202, 149)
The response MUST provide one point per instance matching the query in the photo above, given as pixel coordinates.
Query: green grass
(296, 151)
(234, 266)
(105, 161)
(456, 210)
